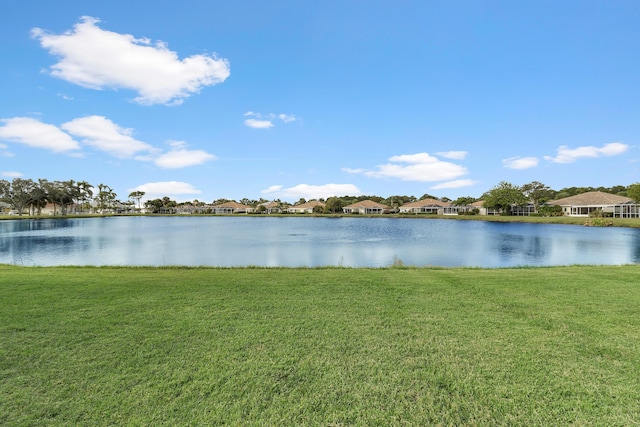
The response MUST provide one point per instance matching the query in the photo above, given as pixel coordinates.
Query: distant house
(588, 203)
(231, 208)
(366, 207)
(484, 211)
(523, 210)
(272, 207)
(451, 209)
(6, 209)
(305, 207)
(426, 206)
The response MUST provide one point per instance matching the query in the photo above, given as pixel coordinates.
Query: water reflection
(306, 241)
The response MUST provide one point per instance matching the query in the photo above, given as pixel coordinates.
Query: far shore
(571, 220)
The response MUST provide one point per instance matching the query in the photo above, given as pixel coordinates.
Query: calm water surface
(308, 241)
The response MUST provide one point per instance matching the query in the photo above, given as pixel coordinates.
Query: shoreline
(566, 220)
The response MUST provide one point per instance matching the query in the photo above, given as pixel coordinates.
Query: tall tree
(333, 205)
(537, 193)
(19, 193)
(105, 197)
(61, 193)
(633, 191)
(137, 195)
(503, 196)
(85, 193)
(40, 197)
(464, 201)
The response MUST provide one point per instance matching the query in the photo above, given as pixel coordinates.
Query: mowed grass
(330, 346)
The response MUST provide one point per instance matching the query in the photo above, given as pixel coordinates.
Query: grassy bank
(175, 346)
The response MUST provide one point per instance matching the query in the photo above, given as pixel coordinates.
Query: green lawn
(330, 346)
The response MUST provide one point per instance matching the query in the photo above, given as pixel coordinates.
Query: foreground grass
(176, 346)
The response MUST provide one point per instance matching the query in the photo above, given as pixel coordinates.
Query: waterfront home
(6, 209)
(426, 206)
(272, 207)
(231, 208)
(586, 204)
(366, 207)
(305, 207)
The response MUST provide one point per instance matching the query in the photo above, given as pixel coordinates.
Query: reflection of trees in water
(532, 248)
(635, 247)
(18, 248)
(34, 225)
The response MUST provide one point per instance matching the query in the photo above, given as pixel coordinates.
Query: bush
(598, 222)
(553, 210)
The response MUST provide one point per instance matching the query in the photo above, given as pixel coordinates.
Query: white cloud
(12, 174)
(459, 183)
(180, 157)
(104, 135)
(520, 162)
(265, 121)
(287, 118)
(34, 133)
(454, 155)
(168, 188)
(95, 58)
(420, 167)
(570, 155)
(312, 191)
(258, 124)
(354, 170)
(4, 151)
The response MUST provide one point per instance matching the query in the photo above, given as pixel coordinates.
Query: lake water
(309, 241)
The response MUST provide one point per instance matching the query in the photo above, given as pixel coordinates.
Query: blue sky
(289, 99)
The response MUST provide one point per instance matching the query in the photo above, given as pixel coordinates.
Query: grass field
(330, 346)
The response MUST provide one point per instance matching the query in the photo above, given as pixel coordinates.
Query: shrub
(553, 210)
(598, 222)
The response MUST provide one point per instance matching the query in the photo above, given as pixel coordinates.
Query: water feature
(309, 241)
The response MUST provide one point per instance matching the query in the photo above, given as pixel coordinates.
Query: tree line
(33, 195)
(27, 194)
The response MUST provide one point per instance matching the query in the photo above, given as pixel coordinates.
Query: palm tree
(105, 197)
(85, 193)
(137, 195)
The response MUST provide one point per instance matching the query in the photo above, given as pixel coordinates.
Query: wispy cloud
(454, 155)
(104, 135)
(419, 167)
(266, 121)
(4, 151)
(312, 191)
(12, 174)
(258, 124)
(166, 188)
(34, 133)
(520, 162)
(95, 58)
(101, 134)
(459, 183)
(179, 156)
(570, 155)
(287, 118)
